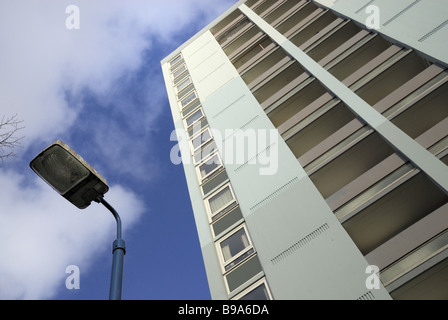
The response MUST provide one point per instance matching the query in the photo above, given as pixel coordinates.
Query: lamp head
(69, 174)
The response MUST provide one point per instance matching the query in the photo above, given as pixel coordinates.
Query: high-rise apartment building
(314, 139)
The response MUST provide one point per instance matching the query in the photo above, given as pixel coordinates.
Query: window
(204, 152)
(175, 60)
(198, 126)
(176, 67)
(185, 92)
(177, 72)
(235, 248)
(188, 99)
(180, 78)
(257, 291)
(183, 85)
(209, 166)
(191, 107)
(200, 139)
(198, 114)
(220, 202)
(232, 218)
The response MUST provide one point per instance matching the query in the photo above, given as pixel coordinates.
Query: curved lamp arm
(119, 250)
(100, 199)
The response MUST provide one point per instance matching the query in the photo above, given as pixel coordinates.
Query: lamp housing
(69, 174)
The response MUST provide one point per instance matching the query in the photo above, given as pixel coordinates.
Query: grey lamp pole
(118, 250)
(73, 178)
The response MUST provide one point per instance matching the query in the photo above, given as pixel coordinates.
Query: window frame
(187, 80)
(192, 147)
(209, 144)
(180, 77)
(182, 107)
(253, 286)
(223, 262)
(173, 72)
(214, 193)
(196, 127)
(185, 92)
(185, 114)
(176, 65)
(176, 59)
(189, 126)
(211, 173)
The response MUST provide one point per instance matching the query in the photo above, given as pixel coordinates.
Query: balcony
(394, 211)
(336, 37)
(339, 168)
(427, 111)
(315, 126)
(276, 79)
(262, 62)
(296, 16)
(284, 102)
(313, 28)
(238, 36)
(284, 9)
(362, 50)
(229, 26)
(389, 76)
(261, 46)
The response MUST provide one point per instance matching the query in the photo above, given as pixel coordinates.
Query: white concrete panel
(326, 3)
(419, 24)
(208, 65)
(305, 252)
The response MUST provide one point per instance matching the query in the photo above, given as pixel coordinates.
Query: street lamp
(73, 178)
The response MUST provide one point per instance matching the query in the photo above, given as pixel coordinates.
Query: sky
(98, 87)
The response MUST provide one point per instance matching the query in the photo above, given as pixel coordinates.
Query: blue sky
(100, 90)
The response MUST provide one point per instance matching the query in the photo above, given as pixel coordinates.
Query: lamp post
(118, 250)
(73, 178)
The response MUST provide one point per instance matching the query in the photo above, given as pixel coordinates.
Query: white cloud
(43, 234)
(40, 62)
(40, 58)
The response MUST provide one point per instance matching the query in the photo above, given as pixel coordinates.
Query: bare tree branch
(9, 141)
